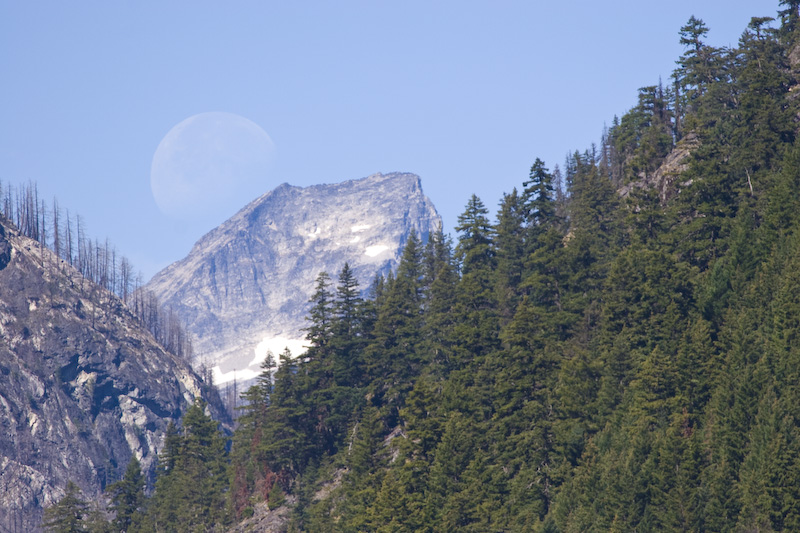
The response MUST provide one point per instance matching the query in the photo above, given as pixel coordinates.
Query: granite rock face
(244, 287)
(83, 386)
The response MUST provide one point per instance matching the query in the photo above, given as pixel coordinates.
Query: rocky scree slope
(83, 385)
(245, 286)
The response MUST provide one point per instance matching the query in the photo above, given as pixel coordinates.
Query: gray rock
(82, 385)
(249, 280)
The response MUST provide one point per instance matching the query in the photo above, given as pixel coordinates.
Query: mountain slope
(83, 385)
(248, 281)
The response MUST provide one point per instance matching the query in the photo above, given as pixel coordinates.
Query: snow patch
(355, 239)
(359, 228)
(276, 345)
(221, 377)
(375, 250)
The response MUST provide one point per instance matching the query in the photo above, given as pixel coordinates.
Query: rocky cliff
(244, 287)
(82, 385)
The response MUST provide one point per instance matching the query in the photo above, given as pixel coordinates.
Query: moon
(209, 166)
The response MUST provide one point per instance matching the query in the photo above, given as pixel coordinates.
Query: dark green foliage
(248, 475)
(127, 497)
(67, 516)
(190, 493)
(510, 254)
(475, 312)
(620, 355)
(538, 197)
(641, 140)
(394, 353)
(286, 428)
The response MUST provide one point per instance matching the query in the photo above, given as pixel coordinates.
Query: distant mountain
(83, 385)
(244, 287)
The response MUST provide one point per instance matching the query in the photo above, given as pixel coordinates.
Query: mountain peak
(245, 285)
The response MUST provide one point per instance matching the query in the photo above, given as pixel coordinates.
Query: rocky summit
(244, 287)
(83, 385)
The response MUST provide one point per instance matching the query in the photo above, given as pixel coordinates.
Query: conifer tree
(440, 281)
(790, 20)
(319, 332)
(476, 307)
(510, 253)
(697, 66)
(349, 336)
(249, 470)
(287, 444)
(127, 496)
(581, 365)
(68, 514)
(191, 488)
(538, 197)
(394, 356)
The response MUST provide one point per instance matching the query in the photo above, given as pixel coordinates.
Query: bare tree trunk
(56, 234)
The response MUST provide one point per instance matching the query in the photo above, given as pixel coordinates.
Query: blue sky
(464, 94)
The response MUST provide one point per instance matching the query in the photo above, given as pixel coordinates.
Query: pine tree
(698, 67)
(393, 356)
(510, 254)
(68, 514)
(538, 196)
(349, 335)
(319, 332)
(476, 307)
(249, 472)
(127, 496)
(440, 281)
(191, 489)
(331, 363)
(790, 20)
(287, 443)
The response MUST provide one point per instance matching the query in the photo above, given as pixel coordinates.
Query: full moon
(209, 166)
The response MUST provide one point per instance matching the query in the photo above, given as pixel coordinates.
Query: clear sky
(465, 94)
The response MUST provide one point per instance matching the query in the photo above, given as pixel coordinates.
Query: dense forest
(617, 350)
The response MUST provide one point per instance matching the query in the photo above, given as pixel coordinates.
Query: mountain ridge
(245, 285)
(84, 385)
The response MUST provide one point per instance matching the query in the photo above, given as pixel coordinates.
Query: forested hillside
(615, 350)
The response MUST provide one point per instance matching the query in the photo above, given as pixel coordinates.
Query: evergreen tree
(476, 307)
(319, 332)
(510, 253)
(643, 137)
(249, 472)
(538, 197)
(191, 488)
(440, 281)
(349, 335)
(393, 356)
(287, 443)
(127, 496)
(699, 68)
(594, 232)
(67, 516)
(790, 20)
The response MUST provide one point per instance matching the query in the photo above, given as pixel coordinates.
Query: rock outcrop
(83, 386)
(245, 285)
(666, 179)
